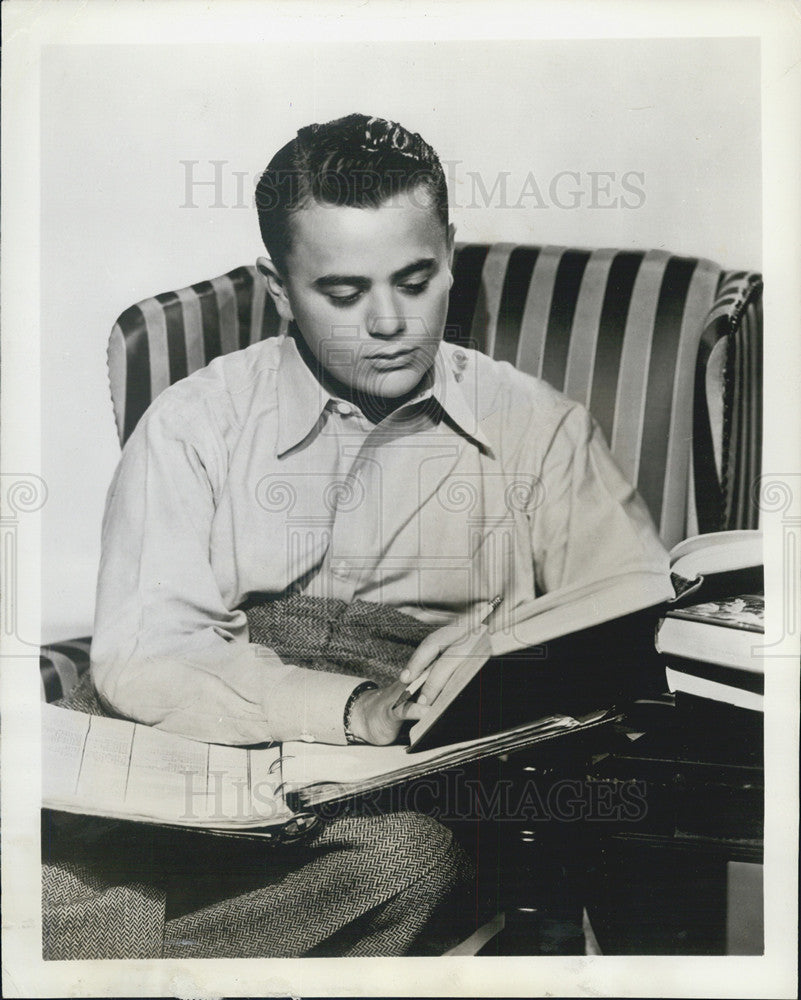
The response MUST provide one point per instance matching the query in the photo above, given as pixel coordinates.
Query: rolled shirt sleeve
(166, 650)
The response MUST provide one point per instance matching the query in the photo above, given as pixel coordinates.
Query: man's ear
(276, 286)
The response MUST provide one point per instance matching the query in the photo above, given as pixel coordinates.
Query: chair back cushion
(166, 337)
(618, 331)
(615, 330)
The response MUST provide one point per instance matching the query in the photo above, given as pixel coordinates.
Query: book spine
(743, 680)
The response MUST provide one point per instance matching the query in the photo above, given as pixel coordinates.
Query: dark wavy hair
(356, 161)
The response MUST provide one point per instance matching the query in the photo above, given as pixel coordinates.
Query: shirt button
(344, 408)
(341, 569)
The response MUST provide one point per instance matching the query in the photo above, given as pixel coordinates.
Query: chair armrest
(61, 666)
(727, 422)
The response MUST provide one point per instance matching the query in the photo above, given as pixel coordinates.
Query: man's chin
(392, 385)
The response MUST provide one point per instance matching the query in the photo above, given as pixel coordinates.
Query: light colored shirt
(249, 477)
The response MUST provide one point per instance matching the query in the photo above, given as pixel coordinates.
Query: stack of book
(712, 639)
(700, 753)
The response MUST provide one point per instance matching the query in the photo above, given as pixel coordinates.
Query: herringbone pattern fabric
(354, 866)
(360, 884)
(362, 638)
(95, 912)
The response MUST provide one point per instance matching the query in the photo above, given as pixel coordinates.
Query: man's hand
(373, 718)
(441, 652)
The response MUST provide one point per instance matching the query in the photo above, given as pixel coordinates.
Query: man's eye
(344, 300)
(415, 287)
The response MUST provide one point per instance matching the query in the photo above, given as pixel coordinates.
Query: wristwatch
(350, 736)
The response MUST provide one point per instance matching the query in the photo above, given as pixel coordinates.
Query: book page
(306, 764)
(227, 791)
(717, 552)
(63, 738)
(575, 608)
(104, 767)
(164, 774)
(310, 763)
(117, 768)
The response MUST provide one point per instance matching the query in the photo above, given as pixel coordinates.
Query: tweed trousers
(362, 883)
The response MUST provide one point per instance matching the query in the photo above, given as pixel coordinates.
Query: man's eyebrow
(425, 263)
(330, 280)
(359, 281)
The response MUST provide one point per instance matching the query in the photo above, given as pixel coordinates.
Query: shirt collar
(450, 368)
(302, 398)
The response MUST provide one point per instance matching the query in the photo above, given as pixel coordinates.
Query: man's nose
(385, 317)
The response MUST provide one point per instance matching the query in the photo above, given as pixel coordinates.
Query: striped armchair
(665, 351)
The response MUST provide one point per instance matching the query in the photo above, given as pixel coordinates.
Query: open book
(556, 668)
(124, 770)
(721, 563)
(114, 768)
(565, 653)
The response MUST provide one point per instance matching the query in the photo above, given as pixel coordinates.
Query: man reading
(356, 462)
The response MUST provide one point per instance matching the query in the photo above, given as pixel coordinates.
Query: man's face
(368, 289)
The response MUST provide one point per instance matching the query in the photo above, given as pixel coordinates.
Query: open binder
(558, 667)
(124, 770)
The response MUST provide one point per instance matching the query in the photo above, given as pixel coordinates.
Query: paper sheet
(112, 767)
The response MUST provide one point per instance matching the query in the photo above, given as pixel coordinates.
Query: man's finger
(425, 654)
(473, 645)
(438, 677)
(410, 711)
(431, 647)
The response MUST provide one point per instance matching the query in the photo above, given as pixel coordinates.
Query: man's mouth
(387, 360)
(391, 355)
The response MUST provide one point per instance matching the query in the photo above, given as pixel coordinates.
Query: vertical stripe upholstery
(727, 403)
(225, 299)
(135, 371)
(534, 325)
(742, 416)
(619, 331)
(485, 318)
(513, 302)
(168, 336)
(564, 302)
(61, 666)
(467, 274)
(615, 330)
(667, 506)
(175, 334)
(611, 331)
